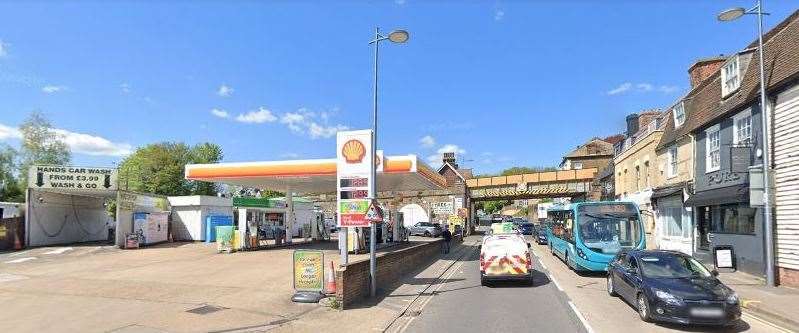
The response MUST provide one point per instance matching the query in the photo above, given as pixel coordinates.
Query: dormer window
(730, 76)
(679, 114)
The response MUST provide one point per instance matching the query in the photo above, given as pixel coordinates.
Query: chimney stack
(632, 124)
(450, 158)
(704, 68)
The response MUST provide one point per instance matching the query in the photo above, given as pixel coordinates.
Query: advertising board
(72, 178)
(308, 270)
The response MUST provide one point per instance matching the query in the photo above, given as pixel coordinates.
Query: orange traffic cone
(17, 243)
(331, 280)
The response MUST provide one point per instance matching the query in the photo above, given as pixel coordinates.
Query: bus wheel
(568, 263)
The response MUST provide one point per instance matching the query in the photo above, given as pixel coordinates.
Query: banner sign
(442, 208)
(309, 270)
(72, 178)
(353, 177)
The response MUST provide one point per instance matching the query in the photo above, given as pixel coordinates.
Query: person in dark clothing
(447, 236)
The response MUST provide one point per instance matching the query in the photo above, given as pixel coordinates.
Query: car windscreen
(672, 266)
(608, 230)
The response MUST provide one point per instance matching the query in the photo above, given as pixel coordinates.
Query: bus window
(609, 228)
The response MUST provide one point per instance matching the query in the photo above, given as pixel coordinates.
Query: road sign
(374, 213)
(72, 178)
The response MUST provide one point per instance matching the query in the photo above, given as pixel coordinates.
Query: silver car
(427, 229)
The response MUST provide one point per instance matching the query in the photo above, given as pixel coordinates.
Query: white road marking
(5, 277)
(19, 253)
(552, 278)
(543, 266)
(59, 251)
(582, 319)
(15, 261)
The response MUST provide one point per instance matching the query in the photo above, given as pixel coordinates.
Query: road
(461, 305)
(559, 301)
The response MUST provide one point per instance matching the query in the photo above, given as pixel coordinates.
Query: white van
(505, 257)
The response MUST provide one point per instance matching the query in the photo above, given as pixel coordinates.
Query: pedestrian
(447, 236)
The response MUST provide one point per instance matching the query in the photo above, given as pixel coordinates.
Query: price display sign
(353, 177)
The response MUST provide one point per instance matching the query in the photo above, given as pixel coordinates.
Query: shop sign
(72, 178)
(353, 177)
(723, 177)
(308, 270)
(442, 208)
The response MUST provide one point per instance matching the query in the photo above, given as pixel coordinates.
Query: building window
(713, 147)
(578, 165)
(679, 114)
(735, 219)
(730, 76)
(742, 131)
(672, 217)
(637, 177)
(671, 169)
(646, 174)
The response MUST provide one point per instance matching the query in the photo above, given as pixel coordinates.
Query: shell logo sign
(353, 151)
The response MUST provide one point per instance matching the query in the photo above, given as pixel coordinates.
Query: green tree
(9, 187)
(493, 206)
(159, 168)
(522, 170)
(40, 145)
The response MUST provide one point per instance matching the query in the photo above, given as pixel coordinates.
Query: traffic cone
(17, 243)
(330, 286)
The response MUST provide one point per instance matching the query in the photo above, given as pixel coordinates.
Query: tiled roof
(703, 104)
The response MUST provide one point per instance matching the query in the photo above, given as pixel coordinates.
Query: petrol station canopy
(399, 173)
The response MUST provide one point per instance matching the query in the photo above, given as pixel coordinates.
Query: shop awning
(720, 196)
(400, 173)
(667, 191)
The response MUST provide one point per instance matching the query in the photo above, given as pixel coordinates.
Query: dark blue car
(672, 287)
(527, 228)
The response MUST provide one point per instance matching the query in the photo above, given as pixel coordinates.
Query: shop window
(672, 217)
(735, 219)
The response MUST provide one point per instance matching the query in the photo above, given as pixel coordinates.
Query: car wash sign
(353, 177)
(72, 178)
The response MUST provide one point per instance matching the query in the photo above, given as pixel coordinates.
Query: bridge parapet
(533, 178)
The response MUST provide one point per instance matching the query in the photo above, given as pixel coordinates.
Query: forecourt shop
(325, 176)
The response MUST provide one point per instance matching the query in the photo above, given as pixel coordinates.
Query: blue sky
(504, 83)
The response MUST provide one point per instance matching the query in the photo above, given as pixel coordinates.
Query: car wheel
(483, 281)
(611, 287)
(643, 308)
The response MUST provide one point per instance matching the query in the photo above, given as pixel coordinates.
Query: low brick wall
(352, 280)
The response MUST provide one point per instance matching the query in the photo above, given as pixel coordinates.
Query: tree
(522, 170)
(40, 145)
(9, 188)
(159, 168)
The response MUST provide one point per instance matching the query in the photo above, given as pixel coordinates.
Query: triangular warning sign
(374, 214)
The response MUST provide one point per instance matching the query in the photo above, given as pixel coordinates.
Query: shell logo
(353, 151)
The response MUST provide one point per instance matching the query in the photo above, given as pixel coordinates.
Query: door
(630, 280)
(704, 217)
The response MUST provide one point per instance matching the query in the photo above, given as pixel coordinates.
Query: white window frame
(730, 76)
(713, 130)
(671, 162)
(679, 117)
(577, 165)
(736, 139)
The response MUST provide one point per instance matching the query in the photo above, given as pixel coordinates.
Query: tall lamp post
(396, 36)
(730, 15)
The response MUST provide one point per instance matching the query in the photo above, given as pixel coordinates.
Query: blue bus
(587, 235)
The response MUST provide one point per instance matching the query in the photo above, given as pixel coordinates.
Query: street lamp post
(729, 15)
(396, 36)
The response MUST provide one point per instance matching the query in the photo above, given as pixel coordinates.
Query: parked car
(527, 228)
(505, 257)
(540, 235)
(427, 229)
(518, 220)
(670, 286)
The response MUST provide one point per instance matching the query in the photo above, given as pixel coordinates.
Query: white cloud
(224, 91)
(668, 89)
(322, 131)
(93, 145)
(7, 132)
(427, 141)
(290, 155)
(50, 89)
(3, 49)
(294, 121)
(125, 88)
(451, 148)
(79, 143)
(621, 88)
(262, 115)
(219, 113)
(499, 14)
(644, 86)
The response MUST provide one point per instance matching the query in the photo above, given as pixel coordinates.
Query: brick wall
(788, 277)
(352, 280)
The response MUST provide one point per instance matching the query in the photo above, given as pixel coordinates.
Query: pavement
(779, 305)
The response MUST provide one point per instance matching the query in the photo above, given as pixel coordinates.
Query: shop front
(674, 227)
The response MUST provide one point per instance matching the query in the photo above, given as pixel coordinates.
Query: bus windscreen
(609, 228)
